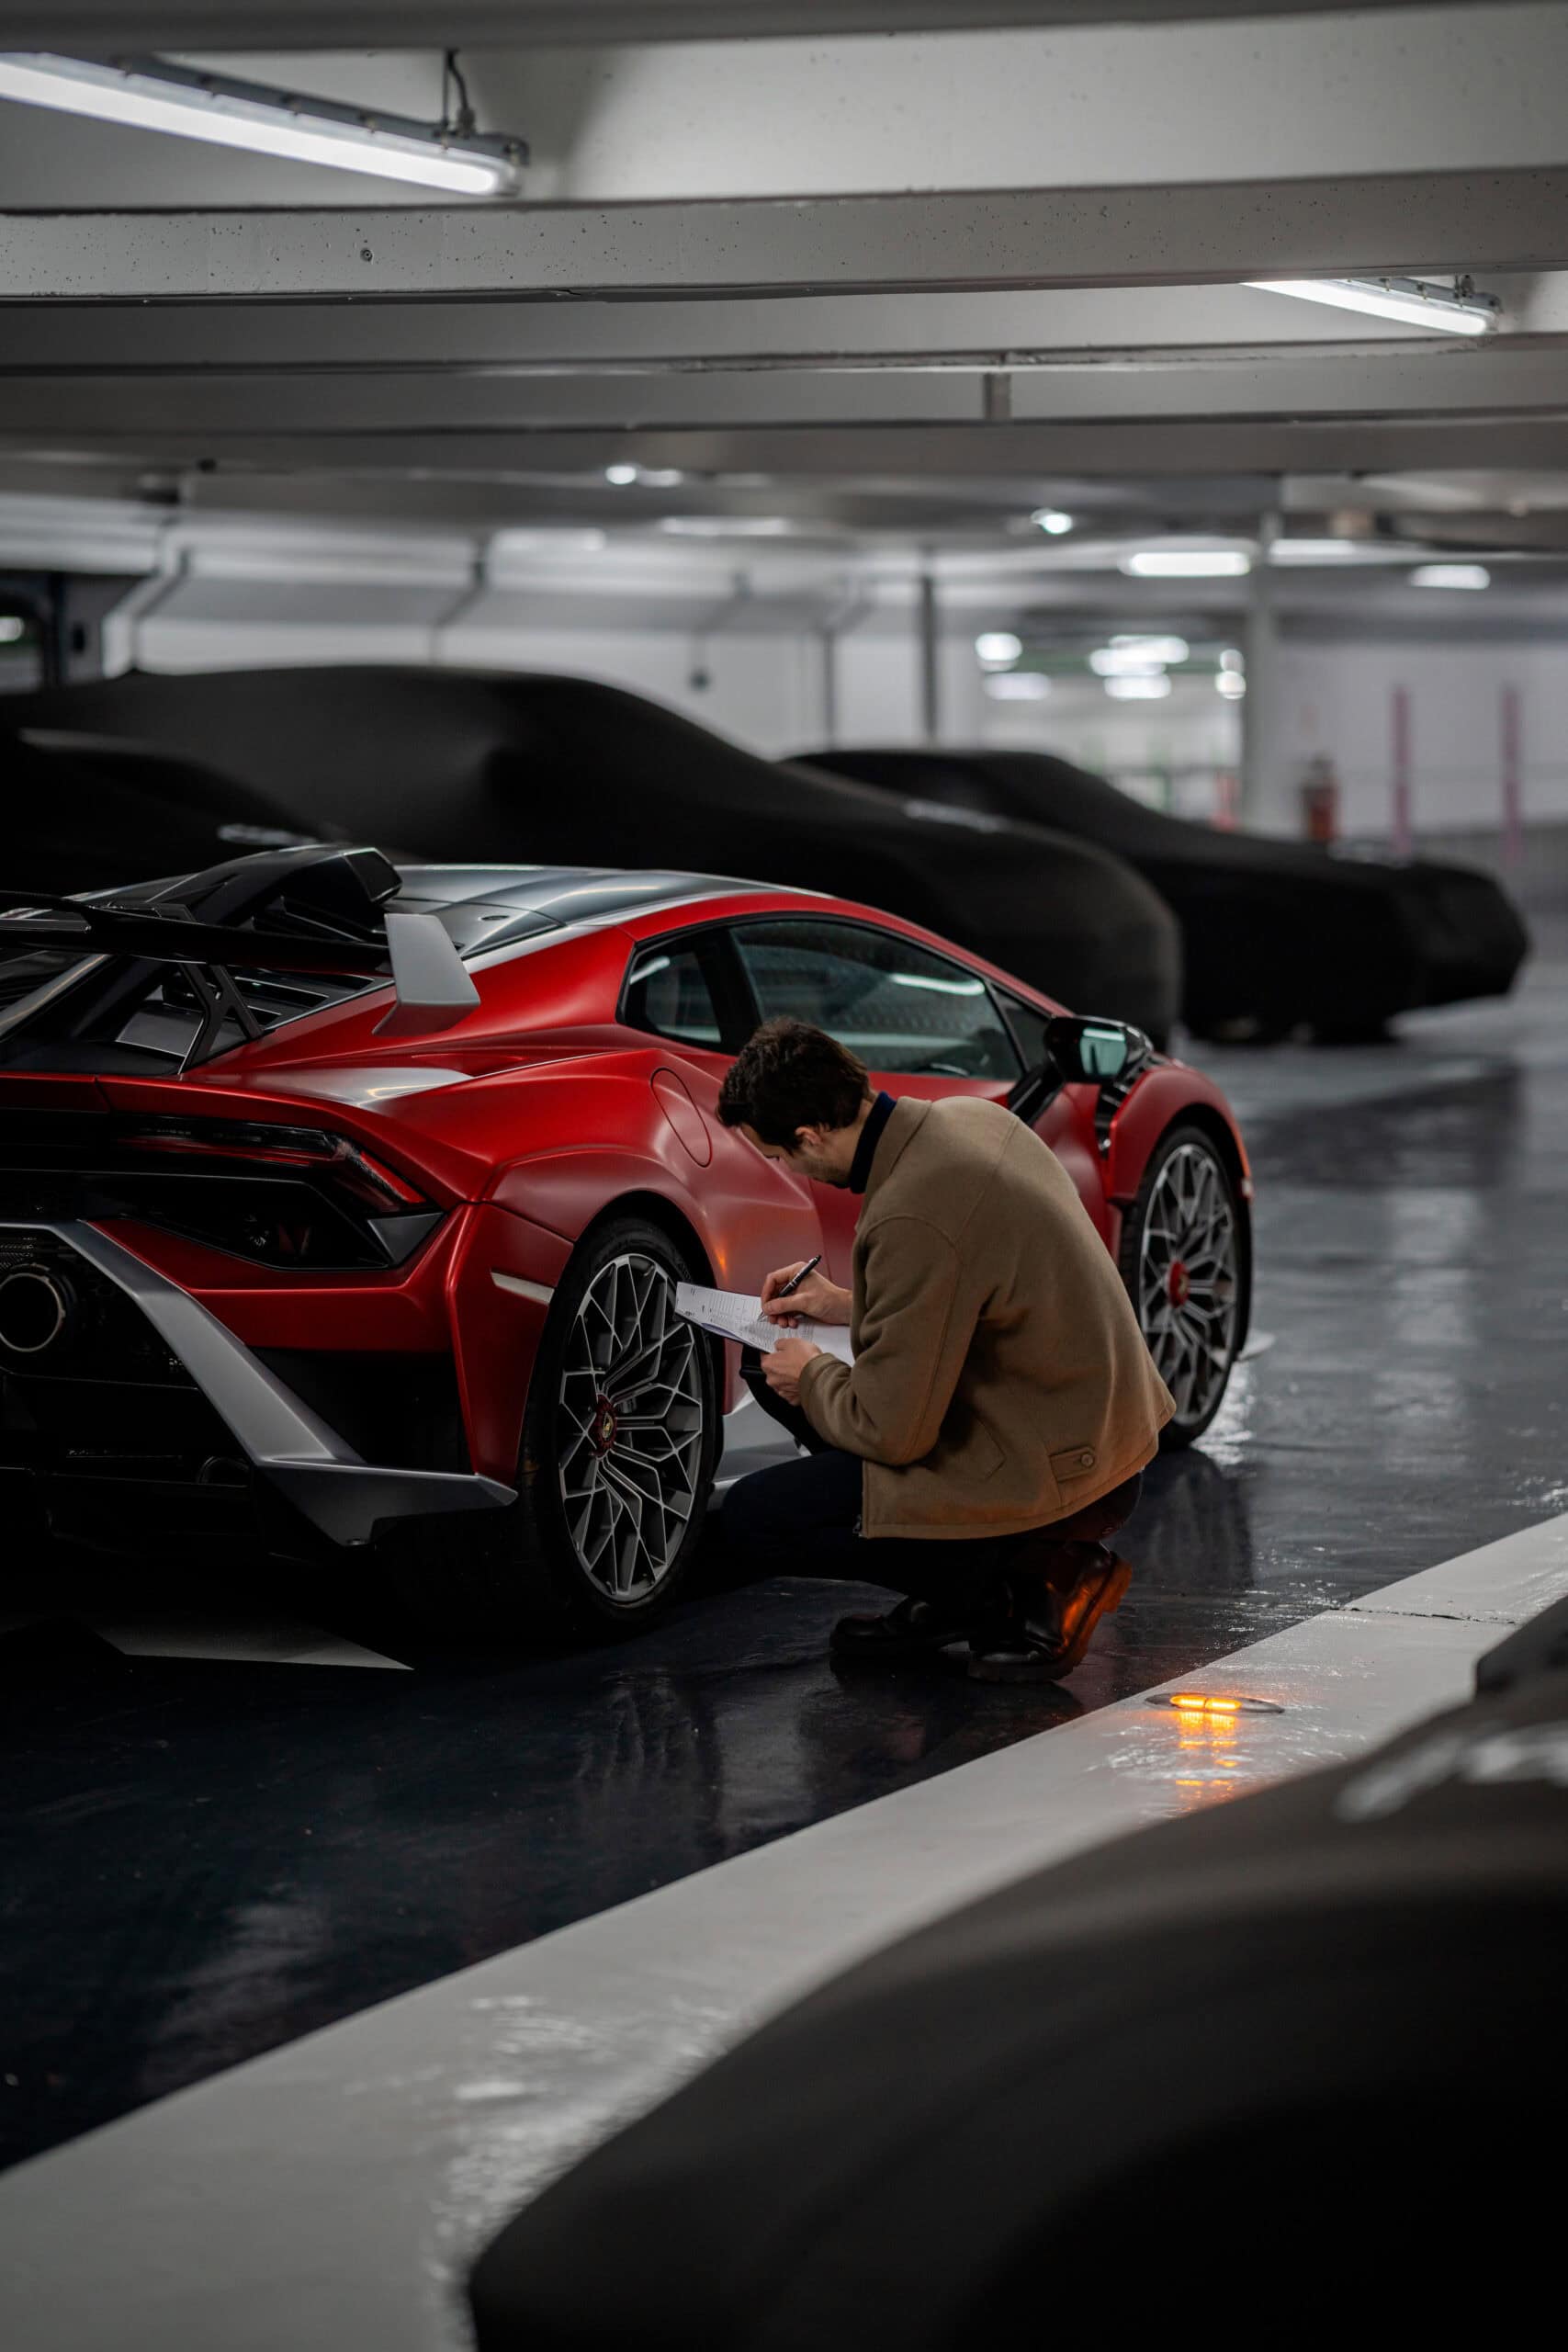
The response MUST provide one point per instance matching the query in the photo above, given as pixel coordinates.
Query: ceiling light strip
(1413, 302)
(147, 93)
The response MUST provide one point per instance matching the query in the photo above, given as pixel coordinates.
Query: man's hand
(782, 1370)
(823, 1301)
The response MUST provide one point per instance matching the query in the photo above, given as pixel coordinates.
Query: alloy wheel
(630, 1431)
(1188, 1279)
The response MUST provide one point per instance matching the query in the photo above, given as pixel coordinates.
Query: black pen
(796, 1280)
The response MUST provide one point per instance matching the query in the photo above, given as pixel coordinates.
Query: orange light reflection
(1204, 1734)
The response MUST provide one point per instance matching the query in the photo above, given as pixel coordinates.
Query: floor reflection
(1192, 1531)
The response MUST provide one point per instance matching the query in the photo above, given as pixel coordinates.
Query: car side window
(668, 992)
(899, 1006)
(1028, 1025)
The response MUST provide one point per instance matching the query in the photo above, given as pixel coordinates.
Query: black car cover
(1276, 933)
(1301, 2055)
(512, 767)
(94, 813)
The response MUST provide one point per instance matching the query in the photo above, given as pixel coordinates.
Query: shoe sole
(1106, 1602)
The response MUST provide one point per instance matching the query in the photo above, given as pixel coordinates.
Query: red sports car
(345, 1204)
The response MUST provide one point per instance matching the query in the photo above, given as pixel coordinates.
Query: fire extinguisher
(1320, 800)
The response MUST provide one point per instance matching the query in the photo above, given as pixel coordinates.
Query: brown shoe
(1048, 1639)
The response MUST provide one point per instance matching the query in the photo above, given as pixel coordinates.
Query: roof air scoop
(434, 991)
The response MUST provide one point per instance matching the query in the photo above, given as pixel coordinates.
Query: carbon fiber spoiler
(348, 888)
(171, 936)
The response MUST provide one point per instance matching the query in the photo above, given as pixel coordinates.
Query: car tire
(611, 1502)
(1183, 1259)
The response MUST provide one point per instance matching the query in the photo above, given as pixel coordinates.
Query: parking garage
(1024, 541)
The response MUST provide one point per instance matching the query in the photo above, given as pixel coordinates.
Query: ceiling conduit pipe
(123, 626)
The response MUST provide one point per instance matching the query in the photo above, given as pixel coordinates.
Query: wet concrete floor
(210, 1856)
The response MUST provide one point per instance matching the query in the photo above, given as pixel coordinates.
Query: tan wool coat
(1000, 1380)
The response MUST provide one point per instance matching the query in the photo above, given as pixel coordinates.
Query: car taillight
(282, 1195)
(358, 1171)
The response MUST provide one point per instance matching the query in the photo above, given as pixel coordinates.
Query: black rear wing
(164, 933)
(204, 925)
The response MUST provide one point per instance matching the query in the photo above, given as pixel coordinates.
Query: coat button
(1087, 1461)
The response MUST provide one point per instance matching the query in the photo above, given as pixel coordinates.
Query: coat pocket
(1071, 1464)
(982, 1454)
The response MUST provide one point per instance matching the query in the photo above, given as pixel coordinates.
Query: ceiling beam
(984, 330)
(1061, 237)
(1440, 380)
(1105, 104)
(109, 25)
(894, 453)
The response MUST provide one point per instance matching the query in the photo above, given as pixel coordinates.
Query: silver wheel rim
(1188, 1287)
(631, 1429)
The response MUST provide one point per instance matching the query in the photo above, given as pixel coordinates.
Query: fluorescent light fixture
(546, 538)
(1115, 661)
(1052, 520)
(1451, 575)
(727, 527)
(1152, 689)
(1018, 686)
(1307, 552)
(622, 477)
(1153, 649)
(1231, 683)
(1231, 658)
(149, 94)
(1187, 563)
(624, 474)
(11, 629)
(1136, 657)
(996, 647)
(1414, 302)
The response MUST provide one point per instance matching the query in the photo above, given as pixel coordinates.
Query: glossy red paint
(534, 1117)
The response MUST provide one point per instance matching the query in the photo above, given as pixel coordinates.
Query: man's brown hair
(790, 1076)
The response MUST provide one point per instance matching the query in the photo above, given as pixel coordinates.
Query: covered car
(1199, 2052)
(86, 813)
(501, 766)
(1277, 933)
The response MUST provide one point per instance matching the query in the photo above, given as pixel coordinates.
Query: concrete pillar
(1400, 828)
(1265, 788)
(930, 647)
(1513, 778)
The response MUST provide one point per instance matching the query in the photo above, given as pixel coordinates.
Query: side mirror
(1094, 1052)
(1079, 1052)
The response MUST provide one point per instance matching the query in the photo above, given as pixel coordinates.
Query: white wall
(1338, 699)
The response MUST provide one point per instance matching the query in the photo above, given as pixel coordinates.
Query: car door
(685, 987)
(923, 1023)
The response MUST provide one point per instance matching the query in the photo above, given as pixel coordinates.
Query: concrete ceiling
(108, 24)
(868, 287)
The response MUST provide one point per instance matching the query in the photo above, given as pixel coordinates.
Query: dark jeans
(801, 1518)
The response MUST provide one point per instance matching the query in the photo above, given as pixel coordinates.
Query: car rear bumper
(283, 1440)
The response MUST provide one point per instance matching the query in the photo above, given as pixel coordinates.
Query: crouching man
(1001, 1406)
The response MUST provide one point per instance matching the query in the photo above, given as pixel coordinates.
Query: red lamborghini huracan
(343, 1204)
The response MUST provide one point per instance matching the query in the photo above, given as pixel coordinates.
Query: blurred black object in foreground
(465, 765)
(1276, 933)
(1298, 2055)
(92, 813)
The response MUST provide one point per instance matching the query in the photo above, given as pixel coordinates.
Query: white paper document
(733, 1315)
